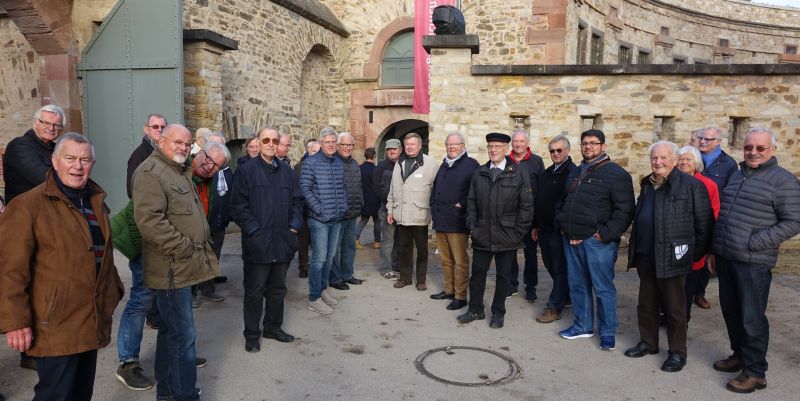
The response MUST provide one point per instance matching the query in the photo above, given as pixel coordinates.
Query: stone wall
(742, 10)
(626, 107)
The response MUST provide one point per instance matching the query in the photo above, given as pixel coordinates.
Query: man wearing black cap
(499, 214)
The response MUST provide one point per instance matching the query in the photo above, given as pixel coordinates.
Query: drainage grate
(467, 366)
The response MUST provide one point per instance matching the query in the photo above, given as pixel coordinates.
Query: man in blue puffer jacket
(322, 186)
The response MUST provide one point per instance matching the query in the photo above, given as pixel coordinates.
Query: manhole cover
(467, 366)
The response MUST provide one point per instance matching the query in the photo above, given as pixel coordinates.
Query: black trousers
(696, 282)
(217, 238)
(66, 378)
(481, 260)
(304, 238)
(667, 294)
(406, 239)
(264, 291)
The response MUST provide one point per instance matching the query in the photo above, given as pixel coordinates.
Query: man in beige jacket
(408, 204)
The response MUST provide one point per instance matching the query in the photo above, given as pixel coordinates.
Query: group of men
(60, 288)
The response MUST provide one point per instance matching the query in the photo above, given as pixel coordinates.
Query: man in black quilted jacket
(760, 208)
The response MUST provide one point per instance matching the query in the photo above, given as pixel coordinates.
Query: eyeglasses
(496, 147)
(552, 151)
(181, 144)
(702, 138)
(210, 162)
(584, 144)
(759, 148)
(347, 145)
(275, 141)
(156, 126)
(453, 145)
(52, 126)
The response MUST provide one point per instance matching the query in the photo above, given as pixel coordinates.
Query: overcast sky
(793, 3)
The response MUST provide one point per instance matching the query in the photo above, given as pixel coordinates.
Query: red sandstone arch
(372, 69)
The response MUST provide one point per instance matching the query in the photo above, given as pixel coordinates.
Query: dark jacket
(140, 154)
(451, 187)
(549, 193)
(598, 202)
(265, 203)
(682, 224)
(721, 170)
(48, 272)
(499, 212)
(760, 209)
(25, 163)
(382, 180)
(534, 166)
(243, 160)
(352, 185)
(322, 186)
(371, 202)
(219, 211)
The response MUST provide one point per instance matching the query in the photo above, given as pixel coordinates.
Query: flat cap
(497, 137)
(392, 144)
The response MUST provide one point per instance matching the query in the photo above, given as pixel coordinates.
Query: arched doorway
(399, 130)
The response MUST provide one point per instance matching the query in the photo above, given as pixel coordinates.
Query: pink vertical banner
(423, 10)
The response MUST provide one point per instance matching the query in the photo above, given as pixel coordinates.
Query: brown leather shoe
(746, 384)
(702, 302)
(732, 364)
(376, 245)
(401, 283)
(548, 316)
(421, 287)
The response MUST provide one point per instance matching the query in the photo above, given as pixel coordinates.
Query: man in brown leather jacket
(57, 275)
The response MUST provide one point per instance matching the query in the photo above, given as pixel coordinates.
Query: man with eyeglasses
(176, 254)
(283, 148)
(449, 213)
(342, 268)
(718, 166)
(532, 164)
(597, 209)
(760, 209)
(549, 193)
(267, 205)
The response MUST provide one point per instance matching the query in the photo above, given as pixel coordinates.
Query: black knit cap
(497, 137)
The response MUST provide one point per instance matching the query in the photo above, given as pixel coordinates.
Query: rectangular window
(591, 122)
(581, 59)
(664, 128)
(625, 55)
(724, 42)
(597, 49)
(664, 31)
(790, 49)
(738, 129)
(678, 60)
(644, 57)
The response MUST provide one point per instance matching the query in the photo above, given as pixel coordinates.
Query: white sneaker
(328, 299)
(319, 307)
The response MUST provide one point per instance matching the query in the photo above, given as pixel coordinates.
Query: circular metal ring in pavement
(467, 366)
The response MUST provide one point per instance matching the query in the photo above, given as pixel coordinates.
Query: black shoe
(532, 298)
(252, 346)
(303, 274)
(497, 321)
(640, 350)
(674, 363)
(221, 279)
(354, 281)
(339, 286)
(456, 304)
(470, 317)
(279, 335)
(443, 295)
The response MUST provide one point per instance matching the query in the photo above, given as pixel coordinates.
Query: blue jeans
(590, 267)
(175, 365)
(552, 246)
(743, 298)
(324, 242)
(342, 268)
(131, 322)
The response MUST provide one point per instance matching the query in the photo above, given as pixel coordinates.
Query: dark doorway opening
(399, 130)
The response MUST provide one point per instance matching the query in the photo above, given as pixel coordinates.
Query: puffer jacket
(322, 186)
(125, 234)
(721, 170)
(25, 163)
(760, 210)
(176, 252)
(451, 187)
(352, 185)
(499, 212)
(683, 223)
(48, 272)
(409, 196)
(600, 202)
(266, 203)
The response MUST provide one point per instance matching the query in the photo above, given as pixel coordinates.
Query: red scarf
(514, 159)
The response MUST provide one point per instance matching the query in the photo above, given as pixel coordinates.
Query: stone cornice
(209, 36)
(638, 69)
(317, 13)
(470, 42)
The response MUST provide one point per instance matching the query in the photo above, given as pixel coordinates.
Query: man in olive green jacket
(176, 254)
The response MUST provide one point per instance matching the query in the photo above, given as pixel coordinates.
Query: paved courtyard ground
(367, 349)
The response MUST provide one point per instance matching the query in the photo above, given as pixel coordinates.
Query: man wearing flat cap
(499, 215)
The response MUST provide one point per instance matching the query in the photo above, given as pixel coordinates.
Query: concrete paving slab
(367, 349)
